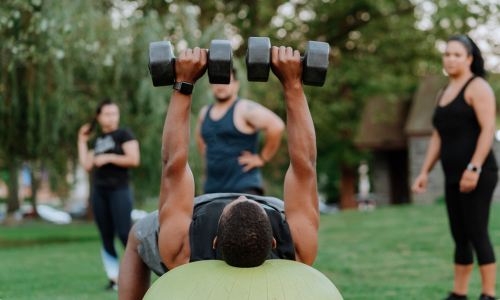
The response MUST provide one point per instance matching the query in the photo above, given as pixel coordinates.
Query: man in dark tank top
(242, 230)
(227, 135)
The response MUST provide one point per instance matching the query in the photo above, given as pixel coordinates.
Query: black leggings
(112, 209)
(469, 214)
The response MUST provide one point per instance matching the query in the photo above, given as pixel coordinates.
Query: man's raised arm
(300, 188)
(177, 183)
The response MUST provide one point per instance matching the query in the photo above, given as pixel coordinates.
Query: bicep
(131, 148)
(261, 117)
(302, 212)
(89, 162)
(436, 138)
(175, 214)
(199, 123)
(177, 191)
(483, 102)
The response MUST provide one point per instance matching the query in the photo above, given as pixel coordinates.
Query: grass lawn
(402, 252)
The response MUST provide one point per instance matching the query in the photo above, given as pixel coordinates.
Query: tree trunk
(35, 183)
(89, 216)
(13, 199)
(348, 188)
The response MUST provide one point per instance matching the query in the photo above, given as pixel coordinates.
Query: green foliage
(60, 58)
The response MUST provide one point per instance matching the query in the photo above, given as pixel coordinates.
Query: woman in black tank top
(464, 121)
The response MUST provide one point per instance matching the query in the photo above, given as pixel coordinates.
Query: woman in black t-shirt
(115, 150)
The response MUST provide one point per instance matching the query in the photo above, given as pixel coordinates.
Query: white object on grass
(53, 215)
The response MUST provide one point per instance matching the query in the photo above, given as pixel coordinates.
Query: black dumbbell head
(258, 59)
(220, 62)
(315, 63)
(161, 63)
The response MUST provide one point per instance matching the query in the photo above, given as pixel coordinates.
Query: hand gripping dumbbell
(315, 61)
(162, 62)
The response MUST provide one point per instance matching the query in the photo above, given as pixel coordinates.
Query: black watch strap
(184, 87)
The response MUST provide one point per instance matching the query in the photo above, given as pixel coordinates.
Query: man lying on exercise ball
(242, 230)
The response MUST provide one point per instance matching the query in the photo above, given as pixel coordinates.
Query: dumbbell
(315, 61)
(162, 62)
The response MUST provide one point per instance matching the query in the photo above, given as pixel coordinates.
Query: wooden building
(398, 134)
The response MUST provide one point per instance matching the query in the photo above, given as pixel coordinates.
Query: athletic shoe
(454, 296)
(486, 297)
(111, 286)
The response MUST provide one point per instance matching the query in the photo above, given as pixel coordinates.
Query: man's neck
(227, 103)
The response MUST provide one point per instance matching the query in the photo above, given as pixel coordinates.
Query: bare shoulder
(479, 85)
(245, 104)
(247, 108)
(202, 113)
(479, 91)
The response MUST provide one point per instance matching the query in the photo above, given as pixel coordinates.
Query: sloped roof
(419, 121)
(382, 125)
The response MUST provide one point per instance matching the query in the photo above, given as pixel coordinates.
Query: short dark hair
(244, 236)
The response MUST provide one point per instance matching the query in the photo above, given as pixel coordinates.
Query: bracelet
(262, 158)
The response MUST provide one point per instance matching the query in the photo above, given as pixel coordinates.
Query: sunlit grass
(400, 252)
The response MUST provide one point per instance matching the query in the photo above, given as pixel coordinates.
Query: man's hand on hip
(250, 161)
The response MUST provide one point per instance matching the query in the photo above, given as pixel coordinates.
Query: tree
(60, 58)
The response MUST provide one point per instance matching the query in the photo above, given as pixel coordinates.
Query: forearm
(300, 128)
(483, 147)
(83, 154)
(134, 278)
(175, 140)
(124, 161)
(271, 143)
(201, 145)
(432, 153)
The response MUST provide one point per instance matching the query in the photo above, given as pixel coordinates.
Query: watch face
(186, 88)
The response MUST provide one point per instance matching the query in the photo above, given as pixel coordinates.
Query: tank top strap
(228, 113)
(440, 95)
(466, 84)
(461, 95)
(208, 111)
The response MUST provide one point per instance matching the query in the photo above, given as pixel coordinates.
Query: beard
(223, 99)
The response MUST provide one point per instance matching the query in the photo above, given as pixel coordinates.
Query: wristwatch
(184, 87)
(473, 168)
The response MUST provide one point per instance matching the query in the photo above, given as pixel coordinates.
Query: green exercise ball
(276, 279)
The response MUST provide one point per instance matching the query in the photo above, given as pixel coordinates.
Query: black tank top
(224, 145)
(459, 130)
(203, 230)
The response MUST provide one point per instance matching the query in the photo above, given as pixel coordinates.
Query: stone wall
(417, 148)
(381, 179)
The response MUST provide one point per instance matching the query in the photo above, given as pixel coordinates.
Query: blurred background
(58, 59)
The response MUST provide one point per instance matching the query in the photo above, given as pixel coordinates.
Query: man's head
(224, 92)
(244, 234)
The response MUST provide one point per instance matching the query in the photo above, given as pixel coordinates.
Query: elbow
(172, 163)
(136, 163)
(172, 168)
(306, 167)
(276, 129)
(280, 126)
(492, 130)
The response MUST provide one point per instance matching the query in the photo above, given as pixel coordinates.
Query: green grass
(402, 252)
